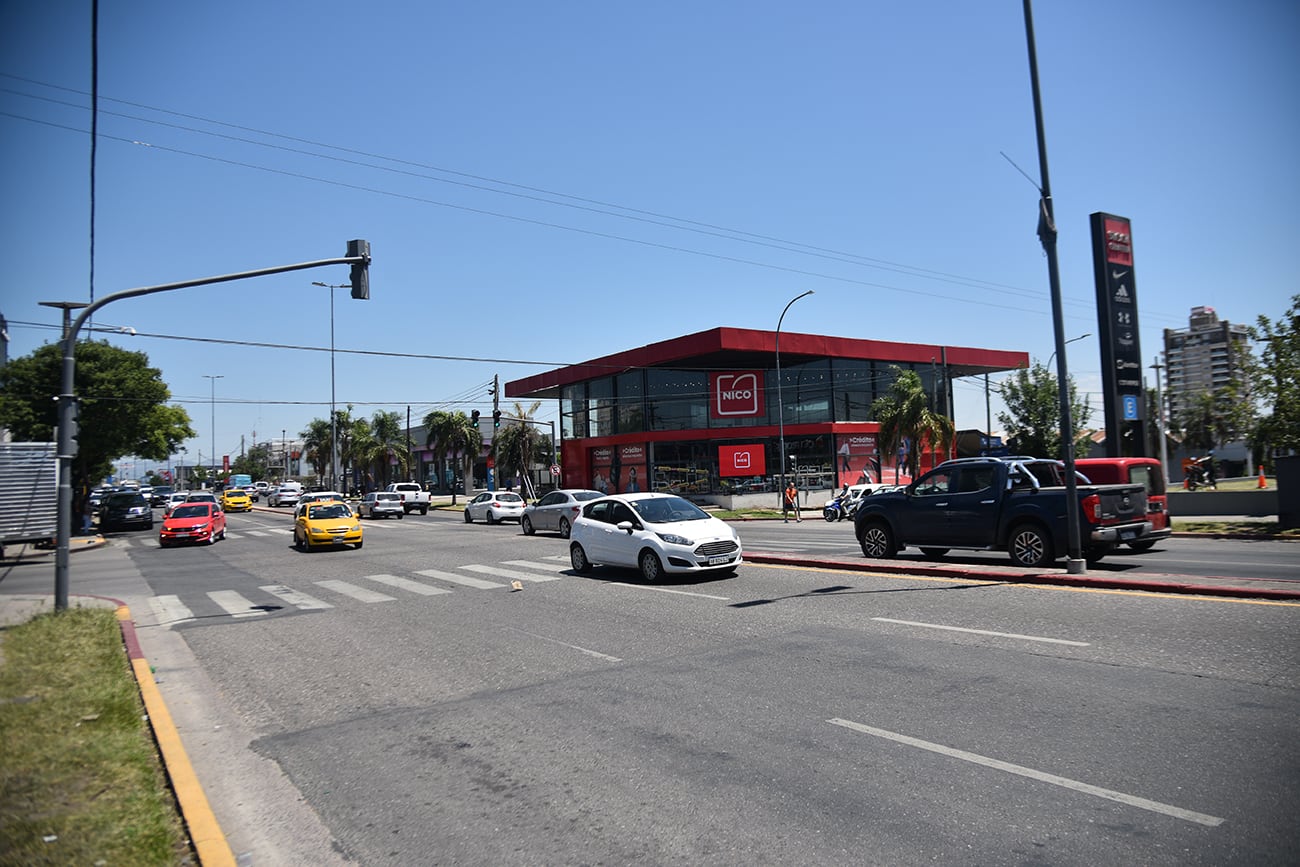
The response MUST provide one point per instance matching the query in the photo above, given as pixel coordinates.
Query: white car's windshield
(668, 510)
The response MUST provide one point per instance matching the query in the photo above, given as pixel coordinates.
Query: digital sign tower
(1121, 350)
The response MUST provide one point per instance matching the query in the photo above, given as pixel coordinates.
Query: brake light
(1092, 508)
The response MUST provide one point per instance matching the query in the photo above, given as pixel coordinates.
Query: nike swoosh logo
(1116, 275)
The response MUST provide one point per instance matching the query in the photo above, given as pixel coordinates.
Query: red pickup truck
(1143, 471)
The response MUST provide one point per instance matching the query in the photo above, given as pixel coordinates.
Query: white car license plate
(718, 561)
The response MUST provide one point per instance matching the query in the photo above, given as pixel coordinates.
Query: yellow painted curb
(209, 842)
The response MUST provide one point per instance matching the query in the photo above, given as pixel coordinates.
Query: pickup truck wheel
(934, 553)
(878, 541)
(1094, 555)
(424, 510)
(1029, 546)
(1141, 546)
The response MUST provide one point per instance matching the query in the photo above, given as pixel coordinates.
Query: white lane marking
(533, 564)
(513, 576)
(361, 594)
(296, 598)
(594, 653)
(477, 583)
(235, 604)
(983, 632)
(666, 590)
(169, 609)
(1064, 782)
(257, 532)
(563, 558)
(407, 584)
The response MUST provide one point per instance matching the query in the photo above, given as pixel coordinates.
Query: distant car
(202, 497)
(160, 495)
(326, 524)
(556, 511)
(97, 497)
(381, 504)
(495, 507)
(236, 500)
(284, 495)
(125, 510)
(174, 499)
(655, 533)
(193, 522)
(263, 488)
(317, 497)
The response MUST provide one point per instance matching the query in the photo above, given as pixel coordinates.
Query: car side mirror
(626, 527)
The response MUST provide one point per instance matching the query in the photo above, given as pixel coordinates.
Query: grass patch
(1261, 529)
(81, 781)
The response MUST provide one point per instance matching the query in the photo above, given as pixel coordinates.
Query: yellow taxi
(236, 500)
(326, 524)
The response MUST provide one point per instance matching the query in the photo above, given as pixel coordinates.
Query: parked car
(193, 522)
(125, 510)
(326, 524)
(381, 504)
(1147, 472)
(317, 497)
(236, 500)
(656, 533)
(160, 495)
(495, 507)
(556, 511)
(286, 494)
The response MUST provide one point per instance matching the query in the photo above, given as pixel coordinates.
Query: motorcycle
(837, 509)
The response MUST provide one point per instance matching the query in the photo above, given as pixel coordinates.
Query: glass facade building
(704, 415)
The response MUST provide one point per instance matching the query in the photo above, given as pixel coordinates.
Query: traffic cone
(1263, 482)
(1185, 485)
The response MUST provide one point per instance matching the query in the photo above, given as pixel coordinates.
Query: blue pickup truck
(1011, 504)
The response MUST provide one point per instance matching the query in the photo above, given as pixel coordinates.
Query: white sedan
(495, 507)
(656, 533)
(556, 511)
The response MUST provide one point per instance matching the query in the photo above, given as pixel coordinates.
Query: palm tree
(517, 445)
(451, 433)
(316, 444)
(904, 413)
(388, 440)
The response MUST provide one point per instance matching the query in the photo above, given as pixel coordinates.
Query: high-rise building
(1203, 357)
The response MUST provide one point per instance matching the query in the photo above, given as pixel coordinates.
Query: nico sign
(737, 394)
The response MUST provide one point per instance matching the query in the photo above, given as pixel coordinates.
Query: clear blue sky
(546, 183)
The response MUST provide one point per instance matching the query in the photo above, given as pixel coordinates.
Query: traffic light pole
(67, 397)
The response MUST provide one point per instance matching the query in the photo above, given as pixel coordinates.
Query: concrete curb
(1045, 578)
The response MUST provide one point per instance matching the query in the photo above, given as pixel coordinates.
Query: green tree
(1033, 417)
(519, 443)
(123, 407)
(451, 434)
(316, 444)
(387, 443)
(1275, 381)
(904, 413)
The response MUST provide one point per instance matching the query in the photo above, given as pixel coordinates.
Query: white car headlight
(674, 539)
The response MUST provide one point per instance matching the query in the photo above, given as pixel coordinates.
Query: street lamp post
(780, 407)
(212, 378)
(1071, 340)
(334, 439)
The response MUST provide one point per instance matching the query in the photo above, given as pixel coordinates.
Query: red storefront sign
(736, 394)
(743, 460)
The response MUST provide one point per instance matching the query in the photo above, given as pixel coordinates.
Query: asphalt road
(424, 712)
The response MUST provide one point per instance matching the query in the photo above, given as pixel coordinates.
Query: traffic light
(496, 418)
(473, 418)
(360, 270)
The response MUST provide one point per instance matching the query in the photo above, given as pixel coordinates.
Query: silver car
(381, 504)
(495, 507)
(556, 511)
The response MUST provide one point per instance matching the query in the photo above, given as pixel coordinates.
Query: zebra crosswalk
(170, 609)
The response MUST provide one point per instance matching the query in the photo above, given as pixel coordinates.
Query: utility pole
(1160, 421)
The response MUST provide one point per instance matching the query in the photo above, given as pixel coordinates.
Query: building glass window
(630, 388)
(805, 391)
(677, 399)
(600, 407)
(854, 389)
(685, 468)
(573, 412)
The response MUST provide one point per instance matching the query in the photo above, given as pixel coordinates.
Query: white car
(284, 495)
(656, 533)
(316, 497)
(495, 507)
(381, 504)
(556, 511)
(173, 500)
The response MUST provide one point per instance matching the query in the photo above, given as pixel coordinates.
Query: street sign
(555, 469)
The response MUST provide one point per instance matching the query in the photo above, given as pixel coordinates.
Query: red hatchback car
(193, 522)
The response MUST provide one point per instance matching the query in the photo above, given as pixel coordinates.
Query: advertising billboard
(1121, 351)
(742, 460)
(736, 394)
